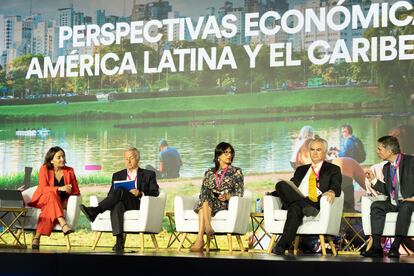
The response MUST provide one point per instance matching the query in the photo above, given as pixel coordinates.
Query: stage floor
(51, 260)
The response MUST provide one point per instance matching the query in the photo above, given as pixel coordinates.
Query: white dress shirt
(304, 185)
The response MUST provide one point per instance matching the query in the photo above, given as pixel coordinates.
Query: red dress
(47, 199)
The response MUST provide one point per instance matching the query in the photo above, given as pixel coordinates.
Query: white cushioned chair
(326, 223)
(146, 220)
(72, 213)
(233, 221)
(390, 219)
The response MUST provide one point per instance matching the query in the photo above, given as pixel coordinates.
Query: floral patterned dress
(232, 183)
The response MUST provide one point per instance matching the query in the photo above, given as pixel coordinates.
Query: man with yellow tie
(312, 180)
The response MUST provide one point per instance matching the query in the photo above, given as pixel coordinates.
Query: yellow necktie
(312, 194)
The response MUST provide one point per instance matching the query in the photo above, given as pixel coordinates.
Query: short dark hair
(390, 142)
(49, 156)
(219, 150)
(163, 143)
(348, 127)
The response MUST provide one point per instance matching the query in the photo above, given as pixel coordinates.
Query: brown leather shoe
(36, 245)
(197, 249)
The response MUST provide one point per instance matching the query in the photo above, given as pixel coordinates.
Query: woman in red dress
(56, 183)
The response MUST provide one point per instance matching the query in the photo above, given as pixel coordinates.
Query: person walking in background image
(56, 183)
(220, 183)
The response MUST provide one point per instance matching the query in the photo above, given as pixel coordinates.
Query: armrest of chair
(28, 194)
(152, 211)
(327, 209)
(94, 200)
(366, 203)
(73, 211)
(270, 204)
(239, 213)
(182, 203)
(237, 205)
(331, 214)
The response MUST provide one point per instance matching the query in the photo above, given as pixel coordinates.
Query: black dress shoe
(373, 253)
(67, 232)
(118, 247)
(278, 250)
(89, 212)
(310, 211)
(393, 253)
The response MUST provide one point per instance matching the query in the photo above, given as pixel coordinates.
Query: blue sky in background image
(48, 8)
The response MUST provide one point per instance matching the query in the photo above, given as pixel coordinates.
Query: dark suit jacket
(406, 176)
(330, 177)
(146, 181)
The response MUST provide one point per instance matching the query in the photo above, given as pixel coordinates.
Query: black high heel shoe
(34, 245)
(67, 232)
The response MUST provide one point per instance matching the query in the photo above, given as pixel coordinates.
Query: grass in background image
(14, 181)
(220, 103)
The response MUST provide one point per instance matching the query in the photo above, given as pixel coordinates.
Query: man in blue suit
(398, 185)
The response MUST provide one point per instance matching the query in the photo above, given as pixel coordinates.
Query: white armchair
(233, 221)
(72, 213)
(390, 219)
(327, 222)
(146, 220)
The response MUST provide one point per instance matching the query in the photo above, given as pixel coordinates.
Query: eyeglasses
(228, 152)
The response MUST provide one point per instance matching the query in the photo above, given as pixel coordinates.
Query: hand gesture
(67, 188)
(369, 175)
(224, 197)
(330, 196)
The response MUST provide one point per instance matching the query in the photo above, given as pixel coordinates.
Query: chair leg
(68, 246)
(271, 243)
(18, 234)
(208, 243)
(154, 241)
(322, 240)
(229, 241)
(407, 251)
(332, 245)
(369, 244)
(239, 241)
(182, 241)
(296, 245)
(141, 235)
(97, 237)
(215, 242)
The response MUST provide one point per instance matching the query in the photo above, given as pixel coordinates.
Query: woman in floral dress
(219, 185)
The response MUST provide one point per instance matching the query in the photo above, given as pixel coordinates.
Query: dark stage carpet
(82, 261)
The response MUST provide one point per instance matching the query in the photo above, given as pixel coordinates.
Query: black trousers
(379, 210)
(119, 202)
(294, 205)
